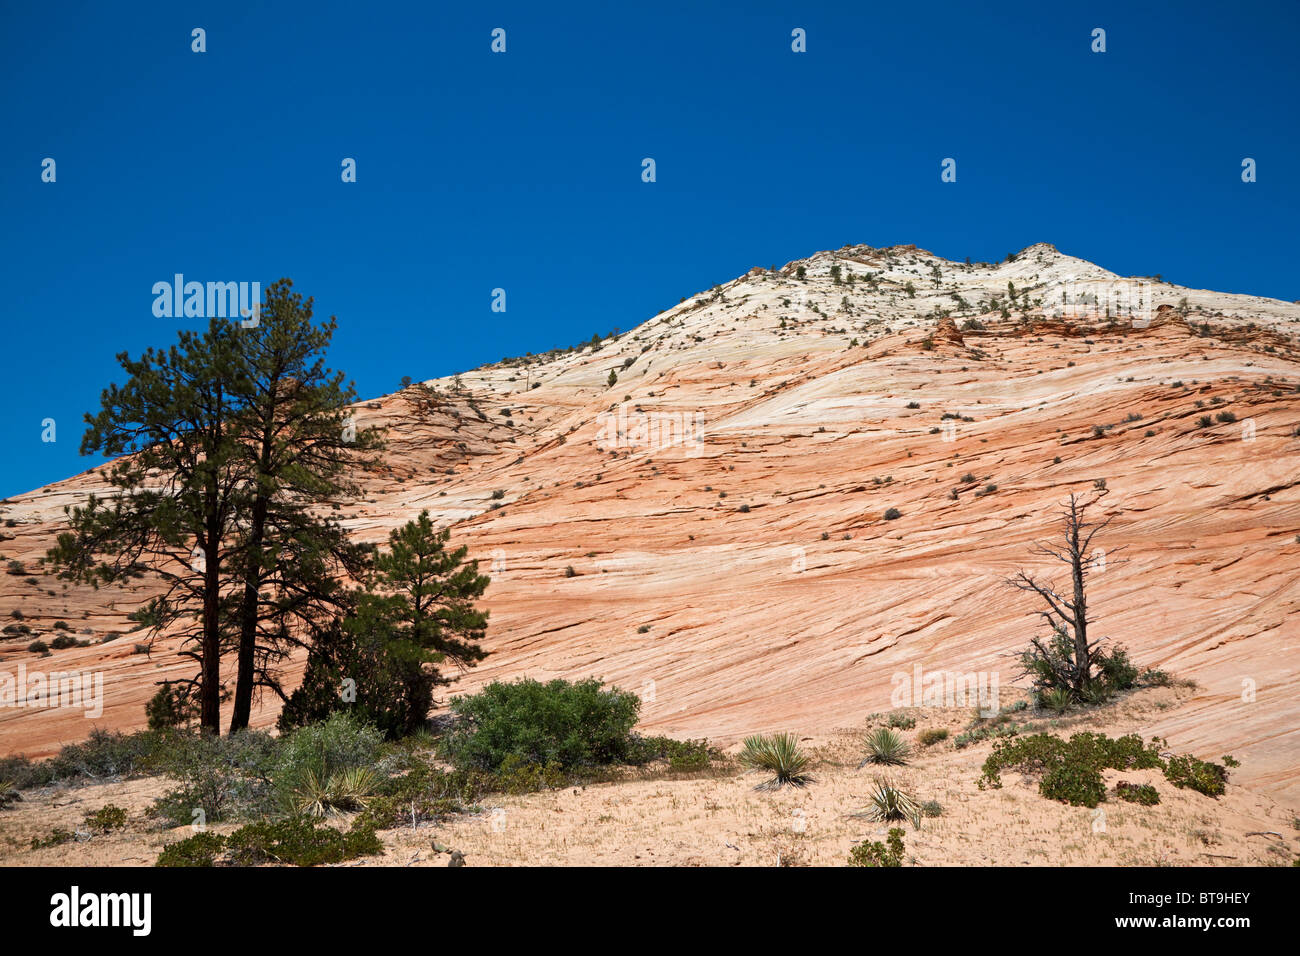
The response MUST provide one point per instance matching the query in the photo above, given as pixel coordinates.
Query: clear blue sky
(523, 170)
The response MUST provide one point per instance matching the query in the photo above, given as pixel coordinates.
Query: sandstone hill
(710, 530)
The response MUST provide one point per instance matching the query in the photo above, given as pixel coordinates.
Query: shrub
(327, 766)
(1071, 769)
(932, 808)
(1116, 671)
(779, 755)
(892, 514)
(17, 568)
(933, 736)
(570, 724)
(888, 803)
(1141, 793)
(884, 746)
(222, 776)
(63, 641)
(879, 854)
(680, 754)
(1199, 775)
(901, 720)
(57, 837)
(102, 754)
(198, 850)
(1057, 699)
(300, 842)
(38, 647)
(106, 818)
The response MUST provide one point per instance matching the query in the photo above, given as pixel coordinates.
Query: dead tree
(1067, 616)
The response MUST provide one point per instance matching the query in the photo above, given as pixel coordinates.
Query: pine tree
(181, 490)
(417, 612)
(302, 445)
(230, 441)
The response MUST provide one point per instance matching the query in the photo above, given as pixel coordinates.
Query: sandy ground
(720, 820)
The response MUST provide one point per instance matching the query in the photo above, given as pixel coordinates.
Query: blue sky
(522, 170)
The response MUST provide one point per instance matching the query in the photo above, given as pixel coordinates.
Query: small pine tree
(417, 612)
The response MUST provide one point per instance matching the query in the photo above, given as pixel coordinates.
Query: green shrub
(932, 808)
(878, 854)
(569, 724)
(1116, 671)
(933, 736)
(38, 647)
(102, 755)
(1195, 774)
(106, 818)
(198, 850)
(1071, 770)
(1142, 793)
(63, 641)
(681, 754)
(901, 720)
(222, 776)
(57, 837)
(892, 513)
(327, 766)
(300, 842)
(779, 755)
(885, 746)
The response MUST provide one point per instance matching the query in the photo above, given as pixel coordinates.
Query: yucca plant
(319, 795)
(885, 746)
(1057, 699)
(778, 755)
(888, 803)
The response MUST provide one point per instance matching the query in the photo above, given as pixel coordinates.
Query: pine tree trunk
(245, 678)
(210, 681)
(248, 620)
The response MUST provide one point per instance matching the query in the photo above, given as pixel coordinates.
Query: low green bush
(57, 836)
(201, 849)
(879, 854)
(1194, 774)
(223, 777)
(326, 766)
(106, 818)
(571, 725)
(1071, 769)
(1141, 793)
(300, 842)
